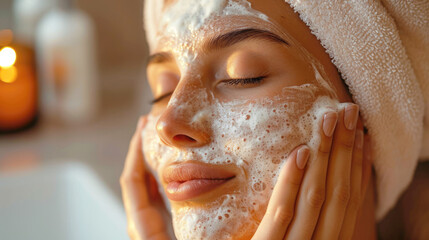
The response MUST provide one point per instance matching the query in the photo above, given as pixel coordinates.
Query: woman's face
(237, 88)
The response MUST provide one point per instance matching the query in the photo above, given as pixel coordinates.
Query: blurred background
(72, 86)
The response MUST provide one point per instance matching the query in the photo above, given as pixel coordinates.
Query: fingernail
(329, 123)
(302, 157)
(359, 139)
(351, 114)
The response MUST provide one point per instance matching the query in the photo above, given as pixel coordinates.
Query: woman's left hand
(332, 189)
(330, 210)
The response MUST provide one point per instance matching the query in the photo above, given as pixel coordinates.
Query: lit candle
(18, 86)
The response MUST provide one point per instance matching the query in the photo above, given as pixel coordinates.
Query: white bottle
(27, 14)
(67, 66)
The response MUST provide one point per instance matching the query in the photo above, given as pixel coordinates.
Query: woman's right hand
(324, 204)
(145, 220)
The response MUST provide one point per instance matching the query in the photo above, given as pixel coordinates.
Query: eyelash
(244, 81)
(232, 82)
(159, 99)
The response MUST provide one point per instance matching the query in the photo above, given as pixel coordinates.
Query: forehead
(186, 22)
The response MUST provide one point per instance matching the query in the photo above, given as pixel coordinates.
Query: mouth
(187, 181)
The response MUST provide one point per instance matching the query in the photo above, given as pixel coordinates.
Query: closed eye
(244, 82)
(159, 99)
(237, 82)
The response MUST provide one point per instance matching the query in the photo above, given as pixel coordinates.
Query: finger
(282, 202)
(133, 180)
(356, 197)
(366, 164)
(312, 193)
(132, 162)
(144, 220)
(338, 181)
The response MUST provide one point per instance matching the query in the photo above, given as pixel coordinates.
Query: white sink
(59, 202)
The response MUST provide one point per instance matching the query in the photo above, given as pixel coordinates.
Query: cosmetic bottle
(67, 66)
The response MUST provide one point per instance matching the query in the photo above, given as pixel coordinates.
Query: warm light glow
(7, 57)
(8, 75)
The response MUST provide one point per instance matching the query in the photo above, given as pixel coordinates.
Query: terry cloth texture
(381, 49)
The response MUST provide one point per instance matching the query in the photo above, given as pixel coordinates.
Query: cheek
(272, 125)
(259, 136)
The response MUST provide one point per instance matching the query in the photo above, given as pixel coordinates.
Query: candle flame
(8, 75)
(7, 57)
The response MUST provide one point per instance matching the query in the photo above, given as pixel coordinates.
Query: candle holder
(18, 85)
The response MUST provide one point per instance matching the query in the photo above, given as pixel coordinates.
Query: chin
(230, 217)
(223, 213)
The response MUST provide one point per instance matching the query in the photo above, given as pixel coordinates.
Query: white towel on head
(381, 49)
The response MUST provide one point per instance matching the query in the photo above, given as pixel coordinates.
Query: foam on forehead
(183, 19)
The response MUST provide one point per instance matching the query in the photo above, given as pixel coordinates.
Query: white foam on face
(255, 135)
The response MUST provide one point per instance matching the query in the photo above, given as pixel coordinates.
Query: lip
(187, 181)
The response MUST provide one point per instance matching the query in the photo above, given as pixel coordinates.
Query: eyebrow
(234, 37)
(160, 57)
(224, 41)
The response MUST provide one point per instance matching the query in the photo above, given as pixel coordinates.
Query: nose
(177, 130)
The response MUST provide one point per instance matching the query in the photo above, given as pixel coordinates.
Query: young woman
(250, 134)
